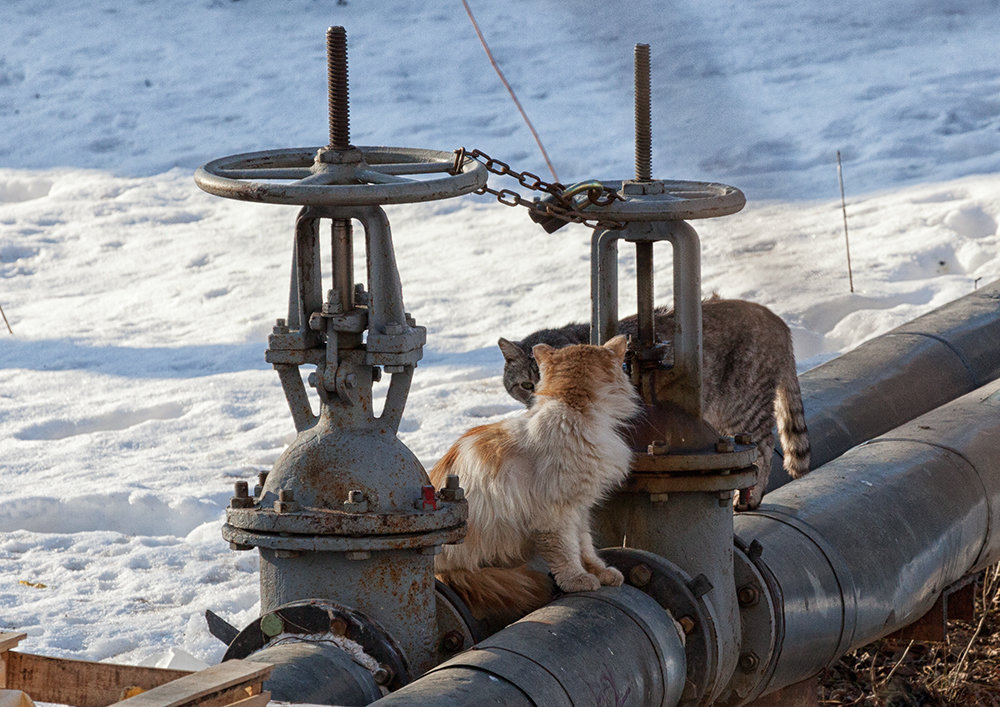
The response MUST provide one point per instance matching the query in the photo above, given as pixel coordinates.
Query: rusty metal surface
(374, 175)
(614, 646)
(330, 522)
(694, 461)
(866, 544)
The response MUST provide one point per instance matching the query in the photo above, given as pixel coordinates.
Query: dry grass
(963, 670)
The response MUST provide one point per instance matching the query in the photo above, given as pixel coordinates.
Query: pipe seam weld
(973, 378)
(661, 659)
(838, 567)
(512, 676)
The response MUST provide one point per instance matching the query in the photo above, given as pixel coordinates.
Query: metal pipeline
(613, 646)
(316, 673)
(866, 544)
(899, 375)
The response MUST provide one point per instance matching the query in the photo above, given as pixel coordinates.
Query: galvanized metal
(355, 176)
(614, 646)
(866, 544)
(899, 375)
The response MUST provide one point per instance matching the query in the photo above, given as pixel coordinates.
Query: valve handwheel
(333, 177)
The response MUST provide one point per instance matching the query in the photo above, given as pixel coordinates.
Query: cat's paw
(610, 577)
(583, 582)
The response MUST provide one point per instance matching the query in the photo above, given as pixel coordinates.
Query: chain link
(560, 206)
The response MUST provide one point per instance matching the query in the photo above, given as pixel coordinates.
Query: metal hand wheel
(333, 177)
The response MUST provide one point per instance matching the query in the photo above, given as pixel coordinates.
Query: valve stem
(643, 139)
(336, 72)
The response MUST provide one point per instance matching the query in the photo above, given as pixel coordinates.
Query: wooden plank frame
(84, 683)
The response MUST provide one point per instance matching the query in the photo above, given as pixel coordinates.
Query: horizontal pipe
(864, 545)
(613, 646)
(317, 673)
(899, 375)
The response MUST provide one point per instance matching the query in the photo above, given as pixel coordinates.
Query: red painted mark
(428, 498)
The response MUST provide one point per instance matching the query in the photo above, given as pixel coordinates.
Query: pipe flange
(684, 598)
(457, 628)
(739, 457)
(334, 543)
(316, 616)
(761, 622)
(647, 482)
(323, 521)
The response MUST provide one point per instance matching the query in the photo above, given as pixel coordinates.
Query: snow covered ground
(133, 391)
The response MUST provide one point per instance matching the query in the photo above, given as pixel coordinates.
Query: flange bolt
(241, 499)
(725, 445)
(748, 595)
(286, 502)
(640, 575)
(452, 491)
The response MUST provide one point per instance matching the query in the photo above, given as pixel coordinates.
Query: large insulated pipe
(316, 672)
(613, 646)
(864, 545)
(899, 375)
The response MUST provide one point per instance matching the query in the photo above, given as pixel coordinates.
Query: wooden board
(79, 682)
(222, 684)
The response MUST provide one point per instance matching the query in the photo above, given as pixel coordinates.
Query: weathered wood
(10, 639)
(79, 682)
(223, 684)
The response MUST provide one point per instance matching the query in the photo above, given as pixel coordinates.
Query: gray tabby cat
(748, 369)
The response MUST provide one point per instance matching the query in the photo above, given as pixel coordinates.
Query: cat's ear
(511, 351)
(542, 353)
(617, 345)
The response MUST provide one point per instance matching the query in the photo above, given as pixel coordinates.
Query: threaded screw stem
(643, 137)
(336, 73)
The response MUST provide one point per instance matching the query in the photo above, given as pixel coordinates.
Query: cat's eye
(528, 385)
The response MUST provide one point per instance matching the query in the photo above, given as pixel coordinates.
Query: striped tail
(498, 592)
(792, 426)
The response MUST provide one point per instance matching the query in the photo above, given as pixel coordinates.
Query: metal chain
(561, 206)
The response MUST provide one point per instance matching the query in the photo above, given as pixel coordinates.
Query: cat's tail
(792, 430)
(500, 591)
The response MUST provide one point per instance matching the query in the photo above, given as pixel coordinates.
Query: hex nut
(640, 575)
(748, 595)
(453, 641)
(271, 625)
(687, 623)
(725, 445)
(286, 502)
(749, 662)
(382, 675)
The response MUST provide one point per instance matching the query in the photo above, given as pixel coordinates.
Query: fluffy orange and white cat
(532, 480)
